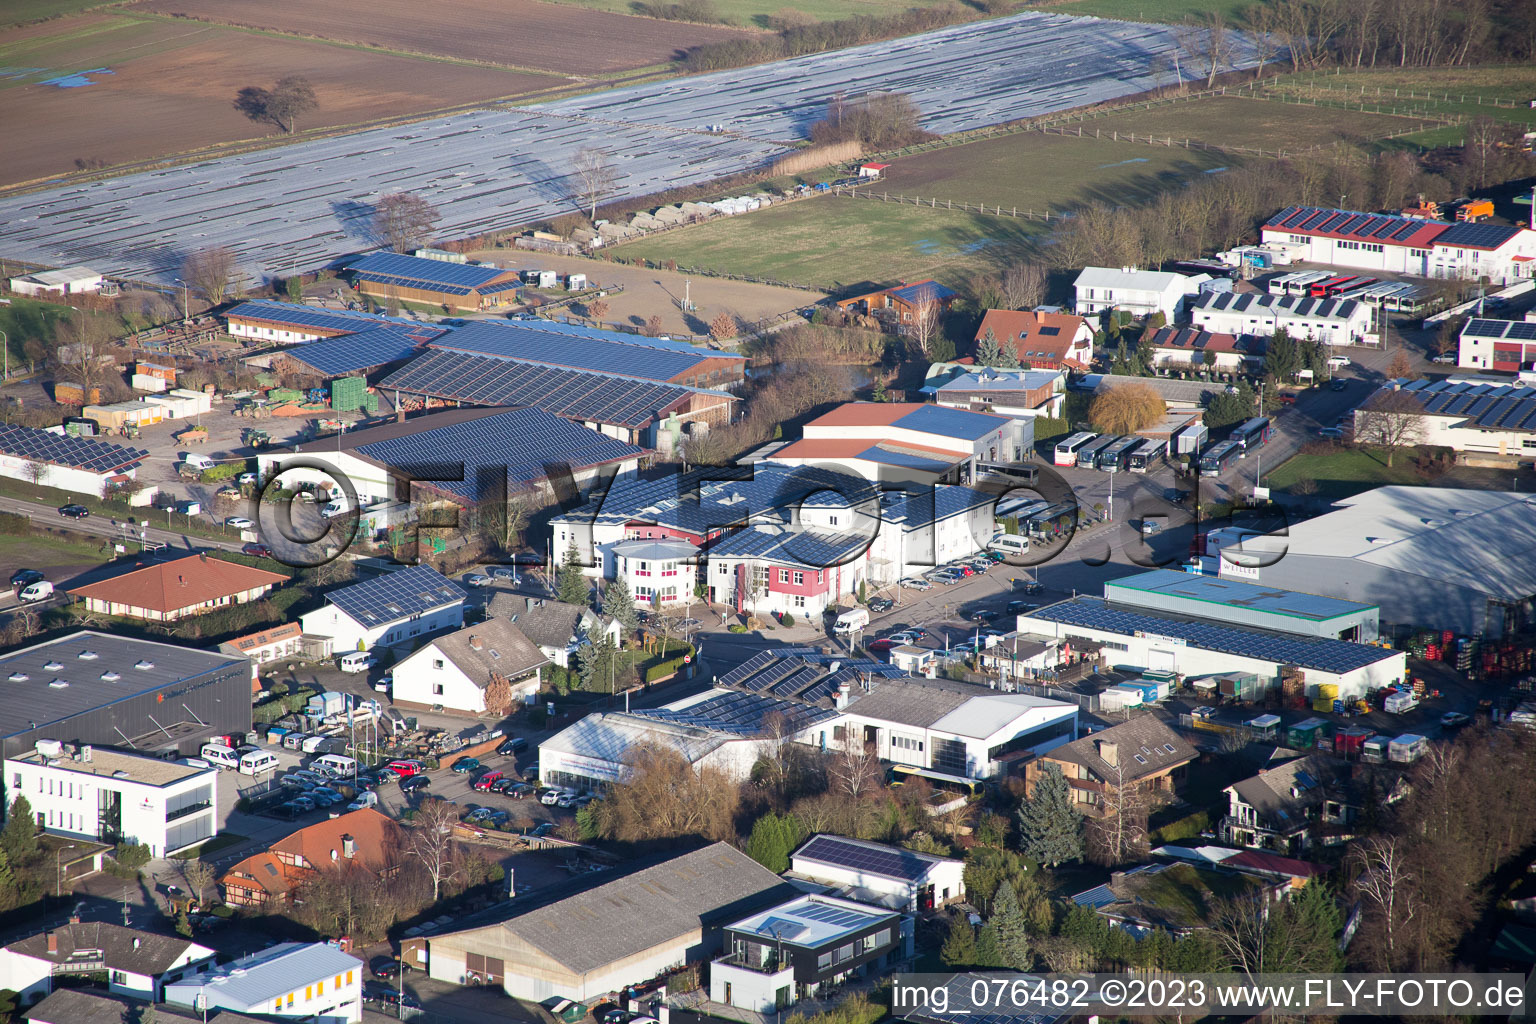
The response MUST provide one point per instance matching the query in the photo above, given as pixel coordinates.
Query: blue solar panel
(307, 316)
(414, 590)
(86, 453)
(411, 282)
(364, 350)
(527, 443)
(583, 331)
(886, 861)
(744, 714)
(434, 272)
(1476, 236)
(514, 341)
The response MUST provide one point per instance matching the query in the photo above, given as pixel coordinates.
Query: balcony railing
(770, 966)
(182, 812)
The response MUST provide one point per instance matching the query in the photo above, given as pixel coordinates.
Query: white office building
(110, 797)
(310, 981)
(1405, 245)
(395, 608)
(1330, 321)
(1139, 292)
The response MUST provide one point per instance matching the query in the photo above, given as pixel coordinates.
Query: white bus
(1066, 451)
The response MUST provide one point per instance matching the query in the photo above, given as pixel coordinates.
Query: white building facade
(1329, 321)
(110, 797)
(902, 879)
(310, 981)
(137, 965)
(1139, 292)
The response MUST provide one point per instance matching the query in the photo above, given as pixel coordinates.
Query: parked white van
(337, 766)
(356, 661)
(339, 507)
(1009, 544)
(39, 591)
(852, 620)
(201, 463)
(220, 756)
(258, 761)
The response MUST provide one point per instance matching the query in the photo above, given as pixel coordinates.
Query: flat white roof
(112, 764)
(812, 920)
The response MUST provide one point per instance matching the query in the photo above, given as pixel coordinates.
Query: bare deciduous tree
(199, 876)
(662, 796)
(81, 346)
(291, 98)
(404, 220)
(211, 271)
(431, 842)
(853, 768)
(1390, 420)
(1023, 285)
(593, 176)
(1119, 832)
(923, 328)
(1387, 886)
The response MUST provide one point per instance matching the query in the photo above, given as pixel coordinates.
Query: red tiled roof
(1191, 340)
(1272, 862)
(184, 583)
(865, 414)
(1030, 332)
(320, 846)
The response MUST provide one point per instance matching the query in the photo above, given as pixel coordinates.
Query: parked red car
(485, 781)
(405, 769)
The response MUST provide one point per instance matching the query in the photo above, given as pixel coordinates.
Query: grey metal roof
(122, 667)
(492, 647)
(78, 1006)
(1225, 591)
(626, 916)
(427, 273)
(909, 702)
(1325, 655)
(252, 980)
(414, 590)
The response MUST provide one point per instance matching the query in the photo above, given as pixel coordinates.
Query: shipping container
(1304, 735)
(327, 703)
(1399, 702)
(1407, 748)
(1374, 750)
(1119, 697)
(1351, 741)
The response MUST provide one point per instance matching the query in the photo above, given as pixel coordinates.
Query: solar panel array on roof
(414, 590)
(744, 714)
(1294, 305)
(526, 443)
(575, 394)
(837, 916)
(1372, 227)
(583, 331)
(409, 282)
(803, 674)
(375, 346)
(62, 450)
(414, 271)
(1324, 655)
(1513, 330)
(801, 546)
(1476, 236)
(514, 341)
(306, 316)
(888, 862)
(1487, 406)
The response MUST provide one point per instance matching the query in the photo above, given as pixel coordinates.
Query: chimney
(202, 556)
(1109, 752)
(74, 918)
(348, 847)
(53, 942)
(840, 698)
(511, 885)
(1115, 878)
(474, 643)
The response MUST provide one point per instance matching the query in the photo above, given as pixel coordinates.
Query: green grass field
(1345, 472)
(91, 43)
(1450, 92)
(23, 319)
(1253, 124)
(19, 12)
(40, 550)
(1162, 11)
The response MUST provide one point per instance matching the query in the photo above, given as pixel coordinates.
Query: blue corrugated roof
(601, 355)
(309, 316)
(957, 423)
(528, 443)
(435, 273)
(583, 331)
(414, 590)
(376, 346)
(907, 460)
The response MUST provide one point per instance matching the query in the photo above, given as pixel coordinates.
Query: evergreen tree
(619, 603)
(863, 593)
(1226, 409)
(7, 882)
(1282, 358)
(595, 663)
(880, 394)
(1008, 359)
(1012, 929)
(989, 952)
(19, 837)
(1050, 831)
(988, 351)
(183, 926)
(773, 839)
(1303, 933)
(959, 949)
(570, 585)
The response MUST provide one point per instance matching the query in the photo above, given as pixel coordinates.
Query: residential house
(1204, 350)
(363, 840)
(778, 956)
(1138, 292)
(1042, 341)
(1142, 752)
(168, 591)
(1476, 416)
(456, 671)
(311, 981)
(82, 1006)
(880, 874)
(1298, 802)
(1266, 866)
(395, 608)
(902, 304)
(136, 964)
(660, 573)
(1176, 898)
(287, 641)
(556, 628)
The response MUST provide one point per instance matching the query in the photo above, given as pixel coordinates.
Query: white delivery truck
(39, 591)
(851, 621)
(1399, 702)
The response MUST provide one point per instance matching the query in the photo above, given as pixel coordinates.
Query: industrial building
(1189, 646)
(66, 281)
(892, 441)
(1138, 292)
(1404, 245)
(52, 458)
(311, 981)
(140, 695)
(104, 796)
(462, 456)
(395, 608)
(1507, 346)
(367, 352)
(1474, 416)
(1040, 340)
(1241, 603)
(1328, 321)
(136, 964)
(880, 875)
(1435, 557)
(467, 287)
(169, 591)
(789, 952)
(650, 916)
(289, 324)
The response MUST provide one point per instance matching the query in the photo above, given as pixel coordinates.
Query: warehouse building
(1165, 642)
(95, 688)
(462, 456)
(654, 915)
(1404, 245)
(1433, 557)
(468, 287)
(52, 458)
(103, 796)
(1477, 416)
(169, 591)
(67, 281)
(1328, 321)
(881, 440)
(367, 352)
(309, 981)
(1507, 346)
(1241, 603)
(288, 324)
